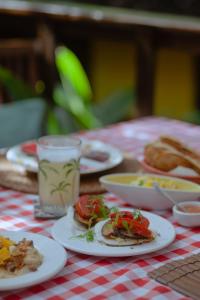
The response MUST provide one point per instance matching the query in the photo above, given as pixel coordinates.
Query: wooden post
(146, 58)
(47, 41)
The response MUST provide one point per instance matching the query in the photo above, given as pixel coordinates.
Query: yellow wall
(113, 66)
(174, 90)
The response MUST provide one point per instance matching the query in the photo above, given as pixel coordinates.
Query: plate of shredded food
(96, 156)
(111, 232)
(27, 259)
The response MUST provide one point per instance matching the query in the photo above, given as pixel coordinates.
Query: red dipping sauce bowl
(187, 213)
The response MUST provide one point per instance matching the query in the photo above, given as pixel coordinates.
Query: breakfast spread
(18, 258)
(90, 209)
(125, 228)
(168, 153)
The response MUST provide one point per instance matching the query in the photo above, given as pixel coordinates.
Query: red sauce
(191, 208)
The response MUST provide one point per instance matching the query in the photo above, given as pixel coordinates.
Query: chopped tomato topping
(89, 206)
(134, 222)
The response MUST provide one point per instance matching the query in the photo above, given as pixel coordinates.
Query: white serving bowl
(126, 186)
(185, 218)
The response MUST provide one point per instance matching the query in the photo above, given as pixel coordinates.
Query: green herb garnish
(104, 212)
(136, 214)
(96, 197)
(91, 219)
(125, 225)
(114, 209)
(88, 235)
(116, 219)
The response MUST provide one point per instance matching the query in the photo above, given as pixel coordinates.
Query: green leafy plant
(16, 88)
(73, 107)
(71, 70)
(74, 95)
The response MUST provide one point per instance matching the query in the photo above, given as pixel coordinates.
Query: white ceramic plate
(49, 268)
(88, 166)
(65, 232)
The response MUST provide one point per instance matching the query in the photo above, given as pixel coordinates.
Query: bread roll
(167, 153)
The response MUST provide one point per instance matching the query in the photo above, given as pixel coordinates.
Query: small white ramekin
(186, 218)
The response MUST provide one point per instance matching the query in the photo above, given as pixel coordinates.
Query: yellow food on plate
(162, 182)
(147, 182)
(18, 258)
(5, 244)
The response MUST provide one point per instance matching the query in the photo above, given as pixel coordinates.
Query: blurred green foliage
(73, 107)
(192, 117)
(17, 89)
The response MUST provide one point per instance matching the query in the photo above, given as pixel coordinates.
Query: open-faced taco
(126, 228)
(90, 209)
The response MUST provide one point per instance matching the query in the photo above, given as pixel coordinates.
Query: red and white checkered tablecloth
(98, 278)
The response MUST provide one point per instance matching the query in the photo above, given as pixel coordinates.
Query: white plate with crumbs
(67, 233)
(50, 266)
(96, 156)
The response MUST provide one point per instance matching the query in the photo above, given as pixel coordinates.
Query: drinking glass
(58, 173)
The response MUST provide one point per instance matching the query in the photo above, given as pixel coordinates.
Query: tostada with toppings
(126, 228)
(90, 209)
